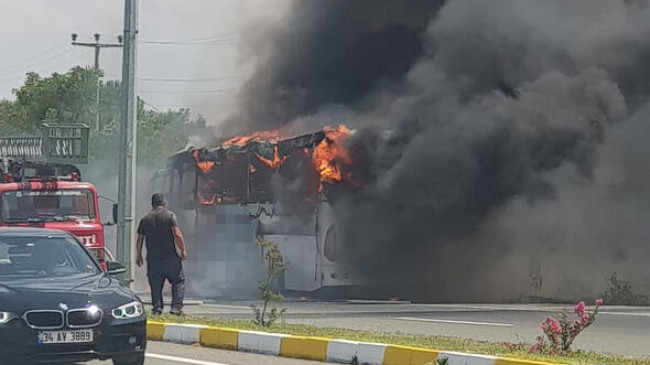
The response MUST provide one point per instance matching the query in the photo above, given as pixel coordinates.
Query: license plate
(79, 336)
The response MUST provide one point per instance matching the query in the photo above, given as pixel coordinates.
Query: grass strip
(429, 342)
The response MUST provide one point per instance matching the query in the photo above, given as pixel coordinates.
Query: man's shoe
(156, 313)
(176, 312)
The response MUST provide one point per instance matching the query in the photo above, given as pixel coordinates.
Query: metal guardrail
(57, 144)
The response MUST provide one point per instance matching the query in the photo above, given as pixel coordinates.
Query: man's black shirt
(158, 229)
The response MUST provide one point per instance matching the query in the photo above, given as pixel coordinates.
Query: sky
(204, 36)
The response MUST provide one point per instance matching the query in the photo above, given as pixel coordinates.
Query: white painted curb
(337, 351)
(182, 333)
(261, 342)
(371, 353)
(457, 358)
(341, 351)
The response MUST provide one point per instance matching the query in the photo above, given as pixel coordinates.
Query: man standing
(165, 252)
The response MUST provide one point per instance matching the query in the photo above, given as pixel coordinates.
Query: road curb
(315, 348)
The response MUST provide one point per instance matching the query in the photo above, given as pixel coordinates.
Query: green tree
(70, 98)
(12, 118)
(61, 98)
(161, 133)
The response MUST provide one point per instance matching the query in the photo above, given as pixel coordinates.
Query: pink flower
(599, 302)
(585, 318)
(580, 308)
(551, 326)
(544, 325)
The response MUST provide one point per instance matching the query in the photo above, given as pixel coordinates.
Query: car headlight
(6, 317)
(131, 310)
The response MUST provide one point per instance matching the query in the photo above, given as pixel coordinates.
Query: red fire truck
(40, 185)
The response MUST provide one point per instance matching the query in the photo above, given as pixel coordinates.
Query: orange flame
(204, 166)
(276, 162)
(330, 156)
(268, 136)
(211, 199)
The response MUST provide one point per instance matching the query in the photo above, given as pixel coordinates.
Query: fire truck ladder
(56, 144)
(57, 148)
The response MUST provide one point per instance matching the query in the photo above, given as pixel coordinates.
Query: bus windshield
(47, 205)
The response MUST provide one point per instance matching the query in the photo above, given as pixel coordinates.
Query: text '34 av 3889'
(262, 186)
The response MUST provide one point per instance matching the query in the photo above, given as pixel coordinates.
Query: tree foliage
(70, 98)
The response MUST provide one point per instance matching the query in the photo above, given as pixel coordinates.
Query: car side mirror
(115, 209)
(114, 268)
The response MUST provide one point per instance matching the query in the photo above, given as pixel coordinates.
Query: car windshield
(47, 205)
(30, 257)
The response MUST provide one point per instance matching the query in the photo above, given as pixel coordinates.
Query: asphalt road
(159, 353)
(620, 330)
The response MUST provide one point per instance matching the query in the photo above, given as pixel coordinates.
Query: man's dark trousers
(172, 271)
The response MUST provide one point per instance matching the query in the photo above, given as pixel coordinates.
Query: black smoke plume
(488, 134)
(328, 52)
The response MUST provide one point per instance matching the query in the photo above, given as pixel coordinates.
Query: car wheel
(133, 359)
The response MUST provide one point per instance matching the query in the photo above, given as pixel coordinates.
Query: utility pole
(97, 46)
(128, 141)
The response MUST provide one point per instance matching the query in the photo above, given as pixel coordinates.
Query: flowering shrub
(560, 333)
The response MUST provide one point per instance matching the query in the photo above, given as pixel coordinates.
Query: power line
(198, 106)
(34, 61)
(219, 40)
(150, 105)
(12, 78)
(204, 39)
(31, 65)
(50, 68)
(220, 43)
(97, 46)
(69, 62)
(31, 60)
(207, 79)
(180, 80)
(188, 91)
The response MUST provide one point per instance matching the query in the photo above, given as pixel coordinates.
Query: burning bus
(260, 186)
